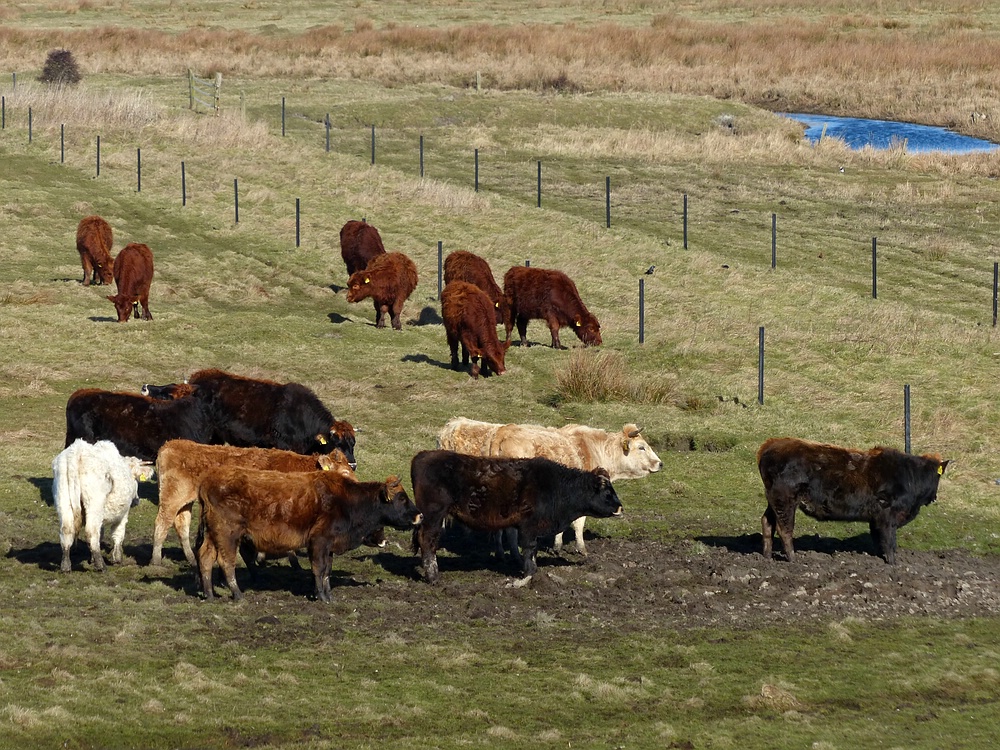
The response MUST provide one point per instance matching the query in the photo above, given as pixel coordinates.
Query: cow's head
(604, 503)
(587, 329)
(124, 304)
(169, 392)
(105, 272)
(359, 286)
(396, 507)
(341, 435)
(638, 457)
(336, 462)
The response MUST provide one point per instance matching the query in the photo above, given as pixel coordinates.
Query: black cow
(252, 413)
(884, 487)
(137, 425)
(536, 496)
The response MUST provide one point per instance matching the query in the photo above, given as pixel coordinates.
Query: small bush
(60, 68)
(602, 377)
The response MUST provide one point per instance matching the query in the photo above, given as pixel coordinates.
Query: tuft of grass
(592, 376)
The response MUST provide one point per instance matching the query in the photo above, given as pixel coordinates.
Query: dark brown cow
(256, 413)
(93, 242)
(882, 486)
(550, 296)
(389, 280)
(536, 496)
(462, 265)
(137, 425)
(180, 465)
(469, 321)
(359, 243)
(133, 275)
(327, 513)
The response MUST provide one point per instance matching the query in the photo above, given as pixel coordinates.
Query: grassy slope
(242, 296)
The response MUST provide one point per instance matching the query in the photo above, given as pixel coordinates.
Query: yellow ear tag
(940, 470)
(367, 280)
(577, 324)
(322, 440)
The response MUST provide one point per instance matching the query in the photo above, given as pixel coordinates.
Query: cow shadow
(102, 319)
(336, 288)
(424, 359)
(749, 544)
(429, 316)
(337, 318)
(44, 487)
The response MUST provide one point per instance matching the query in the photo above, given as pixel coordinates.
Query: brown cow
(182, 463)
(323, 511)
(93, 242)
(469, 320)
(389, 280)
(462, 265)
(359, 243)
(882, 486)
(550, 296)
(133, 275)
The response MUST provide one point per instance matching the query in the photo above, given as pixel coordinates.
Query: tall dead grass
(605, 376)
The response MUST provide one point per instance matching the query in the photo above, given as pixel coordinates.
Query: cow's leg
(510, 541)
(321, 557)
(427, 539)
(768, 523)
(227, 561)
(554, 330)
(66, 539)
(396, 310)
(529, 550)
(146, 314)
(379, 315)
(92, 532)
(785, 522)
(207, 557)
(89, 272)
(522, 329)
(578, 525)
(453, 347)
(118, 540)
(876, 533)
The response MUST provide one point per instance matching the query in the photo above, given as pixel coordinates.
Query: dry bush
(60, 68)
(605, 376)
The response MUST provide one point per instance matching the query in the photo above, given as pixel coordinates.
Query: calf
(93, 485)
(181, 464)
(93, 242)
(323, 511)
(359, 243)
(884, 487)
(137, 425)
(389, 280)
(462, 265)
(469, 321)
(551, 296)
(536, 496)
(133, 275)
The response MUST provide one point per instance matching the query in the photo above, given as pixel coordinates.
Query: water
(881, 134)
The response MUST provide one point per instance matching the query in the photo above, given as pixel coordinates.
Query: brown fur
(181, 464)
(360, 242)
(462, 265)
(550, 296)
(389, 280)
(469, 320)
(93, 242)
(133, 275)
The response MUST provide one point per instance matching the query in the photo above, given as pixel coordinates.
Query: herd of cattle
(272, 469)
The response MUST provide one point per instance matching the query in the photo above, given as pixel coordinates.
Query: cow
(882, 486)
(93, 242)
(534, 495)
(133, 275)
(93, 485)
(181, 464)
(389, 280)
(168, 392)
(467, 436)
(359, 243)
(462, 265)
(469, 321)
(137, 425)
(280, 512)
(257, 413)
(550, 296)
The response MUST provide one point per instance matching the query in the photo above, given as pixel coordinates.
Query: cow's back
(467, 436)
(462, 265)
(529, 441)
(94, 242)
(359, 243)
(134, 269)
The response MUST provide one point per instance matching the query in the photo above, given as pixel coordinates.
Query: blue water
(881, 134)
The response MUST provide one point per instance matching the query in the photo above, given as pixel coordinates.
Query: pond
(882, 134)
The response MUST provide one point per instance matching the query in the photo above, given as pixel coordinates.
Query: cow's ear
(577, 323)
(943, 466)
(625, 446)
(321, 439)
(602, 472)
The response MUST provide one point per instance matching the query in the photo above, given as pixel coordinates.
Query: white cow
(93, 484)
(624, 454)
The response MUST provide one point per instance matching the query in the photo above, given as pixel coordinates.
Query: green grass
(133, 658)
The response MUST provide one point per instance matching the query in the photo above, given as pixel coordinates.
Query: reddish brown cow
(323, 511)
(93, 242)
(550, 296)
(462, 265)
(133, 275)
(389, 280)
(359, 243)
(469, 321)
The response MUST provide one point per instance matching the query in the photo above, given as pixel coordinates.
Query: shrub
(602, 377)
(60, 68)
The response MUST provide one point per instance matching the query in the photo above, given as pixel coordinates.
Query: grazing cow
(254, 413)
(93, 485)
(323, 511)
(133, 275)
(93, 242)
(550, 296)
(467, 436)
(882, 486)
(168, 392)
(181, 464)
(137, 425)
(469, 321)
(462, 265)
(359, 243)
(534, 495)
(389, 280)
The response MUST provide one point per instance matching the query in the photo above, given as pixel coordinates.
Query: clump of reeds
(604, 376)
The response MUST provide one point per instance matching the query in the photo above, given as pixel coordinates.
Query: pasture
(674, 632)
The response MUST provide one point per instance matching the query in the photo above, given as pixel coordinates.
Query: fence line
(204, 91)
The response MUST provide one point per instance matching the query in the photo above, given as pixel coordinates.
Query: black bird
(650, 270)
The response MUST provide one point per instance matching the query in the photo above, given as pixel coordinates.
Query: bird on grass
(649, 271)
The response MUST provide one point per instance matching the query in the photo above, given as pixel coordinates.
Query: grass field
(134, 658)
